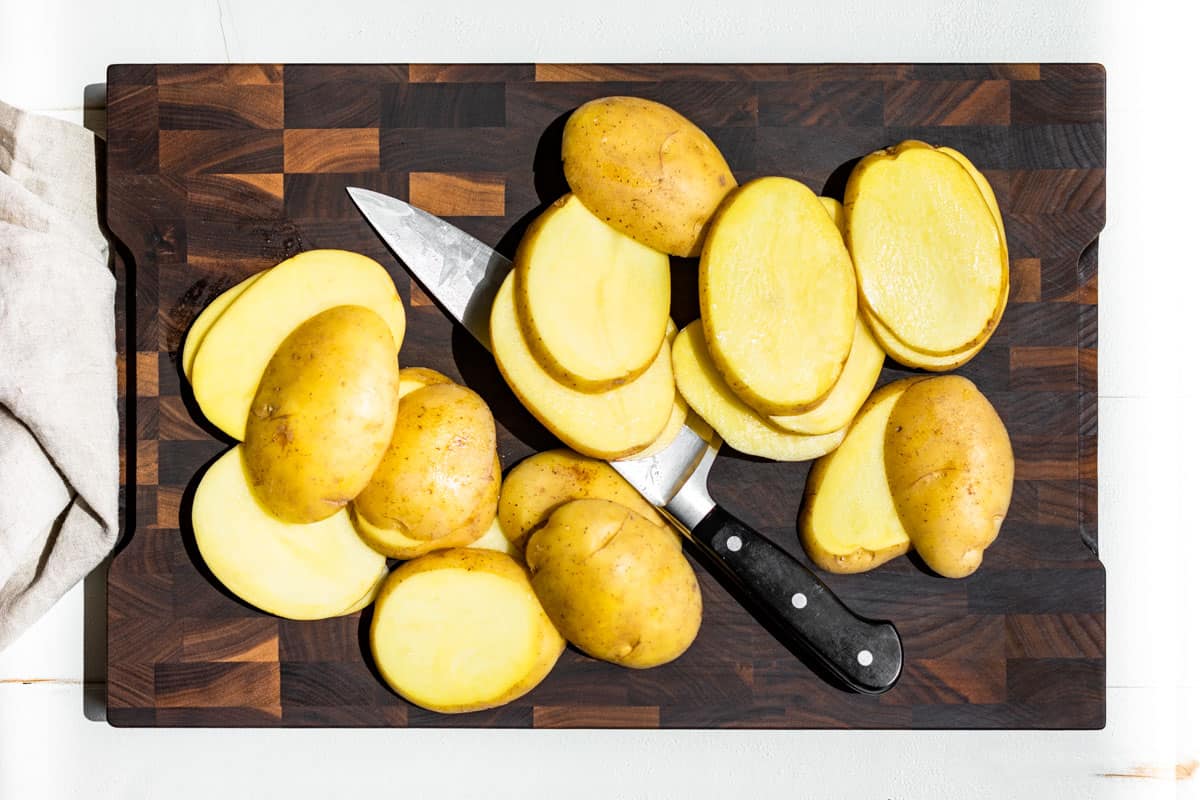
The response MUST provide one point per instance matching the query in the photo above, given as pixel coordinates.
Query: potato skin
(646, 170)
(321, 418)
(949, 463)
(440, 473)
(615, 585)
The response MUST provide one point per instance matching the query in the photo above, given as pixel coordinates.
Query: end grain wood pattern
(216, 171)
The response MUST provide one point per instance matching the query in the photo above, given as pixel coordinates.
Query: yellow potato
(369, 597)
(679, 413)
(931, 261)
(494, 539)
(413, 378)
(615, 585)
(777, 296)
(533, 489)
(848, 522)
(440, 475)
(397, 544)
(610, 424)
(462, 630)
(836, 212)
(738, 424)
(309, 571)
(233, 355)
(591, 301)
(646, 170)
(949, 464)
(323, 414)
(205, 319)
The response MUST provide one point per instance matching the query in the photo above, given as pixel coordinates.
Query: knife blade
(463, 274)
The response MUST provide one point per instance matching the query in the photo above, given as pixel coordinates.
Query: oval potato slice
(592, 302)
(205, 319)
(309, 571)
(607, 425)
(777, 296)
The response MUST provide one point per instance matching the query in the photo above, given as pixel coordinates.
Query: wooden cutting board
(215, 172)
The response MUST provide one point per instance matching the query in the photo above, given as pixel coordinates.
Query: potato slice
(231, 359)
(777, 296)
(205, 319)
(836, 212)
(296, 571)
(413, 378)
(544, 481)
(323, 414)
(494, 539)
(369, 597)
(396, 544)
(675, 424)
(461, 630)
(853, 385)
(610, 424)
(848, 522)
(739, 425)
(931, 261)
(591, 301)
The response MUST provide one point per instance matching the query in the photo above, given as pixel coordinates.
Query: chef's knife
(463, 275)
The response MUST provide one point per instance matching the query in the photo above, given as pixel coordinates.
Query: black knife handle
(865, 654)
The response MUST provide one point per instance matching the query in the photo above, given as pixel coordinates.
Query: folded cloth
(58, 384)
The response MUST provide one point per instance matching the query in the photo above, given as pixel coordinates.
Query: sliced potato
(739, 425)
(591, 301)
(931, 262)
(413, 378)
(494, 539)
(232, 357)
(544, 481)
(369, 597)
(610, 424)
(205, 319)
(777, 296)
(309, 571)
(461, 630)
(848, 522)
(905, 355)
(836, 212)
(675, 424)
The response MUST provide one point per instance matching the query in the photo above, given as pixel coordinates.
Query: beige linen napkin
(58, 386)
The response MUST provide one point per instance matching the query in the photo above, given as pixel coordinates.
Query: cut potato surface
(369, 597)
(610, 424)
(739, 425)
(592, 302)
(853, 385)
(777, 296)
(836, 213)
(931, 262)
(395, 544)
(460, 630)
(231, 359)
(848, 522)
(905, 355)
(413, 378)
(494, 539)
(296, 571)
(675, 424)
(205, 319)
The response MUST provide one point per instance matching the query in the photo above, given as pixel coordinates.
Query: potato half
(533, 489)
(309, 571)
(949, 464)
(323, 414)
(205, 319)
(615, 585)
(777, 296)
(610, 424)
(232, 357)
(646, 170)
(592, 302)
(738, 424)
(462, 630)
(848, 522)
(931, 261)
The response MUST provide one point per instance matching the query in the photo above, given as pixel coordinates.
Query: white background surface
(50, 50)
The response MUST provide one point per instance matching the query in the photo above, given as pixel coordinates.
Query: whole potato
(323, 413)
(949, 464)
(646, 170)
(615, 585)
(440, 474)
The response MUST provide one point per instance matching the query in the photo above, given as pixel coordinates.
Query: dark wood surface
(215, 172)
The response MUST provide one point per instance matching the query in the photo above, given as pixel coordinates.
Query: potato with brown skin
(323, 413)
(646, 170)
(440, 474)
(949, 464)
(615, 585)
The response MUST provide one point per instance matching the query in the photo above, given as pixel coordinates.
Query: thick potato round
(615, 585)
(440, 475)
(949, 464)
(323, 414)
(205, 320)
(646, 170)
(533, 489)
(461, 630)
(593, 303)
